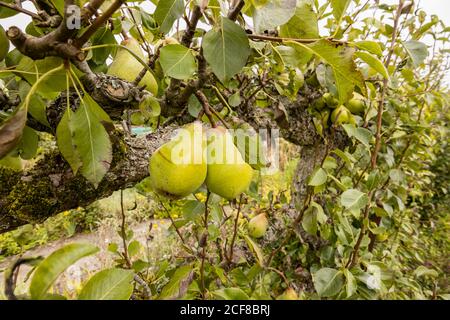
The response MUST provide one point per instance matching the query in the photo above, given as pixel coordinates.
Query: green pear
(356, 104)
(127, 67)
(4, 44)
(288, 294)
(330, 100)
(228, 174)
(258, 225)
(178, 168)
(340, 115)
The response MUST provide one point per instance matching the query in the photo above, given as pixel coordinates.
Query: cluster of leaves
(359, 232)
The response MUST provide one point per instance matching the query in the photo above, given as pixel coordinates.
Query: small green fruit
(288, 294)
(178, 168)
(319, 104)
(355, 106)
(228, 174)
(258, 225)
(330, 100)
(127, 67)
(4, 44)
(340, 115)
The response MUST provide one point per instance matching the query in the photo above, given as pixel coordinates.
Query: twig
(172, 221)
(205, 244)
(280, 39)
(233, 239)
(234, 12)
(206, 107)
(20, 9)
(123, 232)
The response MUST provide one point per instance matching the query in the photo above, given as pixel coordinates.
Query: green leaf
(417, 51)
(318, 177)
(273, 14)
(350, 285)
(167, 12)
(109, 284)
(49, 269)
(66, 144)
(256, 249)
(339, 8)
(373, 62)
(370, 46)
(177, 61)
(340, 59)
(423, 271)
(91, 140)
(193, 209)
(328, 282)
(178, 283)
(303, 24)
(231, 294)
(354, 199)
(309, 221)
(363, 135)
(28, 145)
(226, 49)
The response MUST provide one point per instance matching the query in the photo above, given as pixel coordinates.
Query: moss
(8, 178)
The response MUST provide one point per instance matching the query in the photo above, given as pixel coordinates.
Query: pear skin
(288, 294)
(228, 174)
(126, 67)
(4, 44)
(340, 115)
(178, 168)
(257, 226)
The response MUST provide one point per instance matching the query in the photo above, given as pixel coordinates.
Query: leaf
(423, 271)
(109, 284)
(318, 177)
(49, 269)
(370, 46)
(328, 282)
(167, 12)
(363, 135)
(417, 51)
(226, 49)
(28, 145)
(177, 61)
(339, 8)
(91, 140)
(350, 285)
(309, 221)
(11, 131)
(273, 14)
(303, 24)
(354, 199)
(256, 249)
(177, 286)
(66, 144)
(193, 209)
(231, 294)
(340, 59)
(374, 62)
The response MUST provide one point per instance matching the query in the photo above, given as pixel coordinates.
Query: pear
(4, 44)
(340, 115)
(127, 67)
(331, 101)
(258, 225)
(288, 294)
(228, 174)
(356, 104)
(178, 168)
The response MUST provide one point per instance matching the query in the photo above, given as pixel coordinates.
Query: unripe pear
(331, 101)
(228, 174)
(288, 294)
(355, 106)
(178, 168)
(4, 44)
(340, 115)
(258, 225)
(127, 67)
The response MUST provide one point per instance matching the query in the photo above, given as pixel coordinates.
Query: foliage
(373, 223)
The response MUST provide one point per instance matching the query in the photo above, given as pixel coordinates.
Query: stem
(206, 107)
(233, 239)
(202, 265)
(123, 232)
(20, 9)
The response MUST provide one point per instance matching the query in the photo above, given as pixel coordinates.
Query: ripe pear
(257, 226)
(4, 44)
(356, 104)
(178, 168)
(127, 67)
(331, 101)
(288, 294)
(228, 174)
(340, 115)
